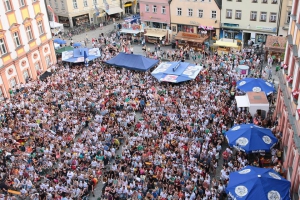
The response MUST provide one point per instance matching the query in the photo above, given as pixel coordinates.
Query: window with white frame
(264, 1)
(163, 9)
(56, 4)
(40, 27)
(288, 16)
(263, 16)
(48, 61)
(3, 49)
(29, 33)
(238, 14)
(147, 8)
(62, 4)
(154, 8)
(213, 14)
(16, 39)
(179, 11)
(190, 12)
(75, 4)
(85, 3)
(200, 13)
(253, 15)
(37, 66)
(7, 5)
(229, 13)
(25, 74)
(273, 17)
(274, 1)
(22, 3)
(13, 82)
(1, 94)
(95, 2)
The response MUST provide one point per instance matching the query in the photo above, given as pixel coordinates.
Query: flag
(97, 12)
(54, 18)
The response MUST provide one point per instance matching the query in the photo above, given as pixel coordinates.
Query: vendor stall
(193, 40)
(133, 31)
(154, 35)
(224, 46)
(275, 47)
(243, 69)
(254, 102)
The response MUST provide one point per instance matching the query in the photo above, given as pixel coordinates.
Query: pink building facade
(155, 13)
(288, 103)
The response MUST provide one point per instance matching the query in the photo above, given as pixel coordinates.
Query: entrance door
(247, 37)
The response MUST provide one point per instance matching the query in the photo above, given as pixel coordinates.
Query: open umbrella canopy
(77, 44)
(251, 138)
(255, 85)
(258, 183)
(59, 41)
(67, 48)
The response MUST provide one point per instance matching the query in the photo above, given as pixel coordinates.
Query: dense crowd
(141, 138)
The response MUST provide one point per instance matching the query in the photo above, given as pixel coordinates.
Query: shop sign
(132, 26)
(194, 23)
(266, 28)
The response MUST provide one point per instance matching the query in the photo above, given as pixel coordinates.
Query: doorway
(247, 37)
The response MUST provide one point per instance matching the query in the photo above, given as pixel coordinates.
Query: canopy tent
(132, 62)
(226, 44)
(176, 72)
(77, 55)
(67, 48)
(56, 27)
(114, 10)
(132, 19)
(158, 35)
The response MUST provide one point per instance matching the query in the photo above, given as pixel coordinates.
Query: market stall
(224, 46)
(56, 28)
(133, 31)
(275, 47)
(154, 35)
(193, 40)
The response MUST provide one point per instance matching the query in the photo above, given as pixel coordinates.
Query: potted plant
(285, 68)
(295, 95)
(289, 80)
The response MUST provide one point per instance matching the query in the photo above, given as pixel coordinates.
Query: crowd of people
(141, 138)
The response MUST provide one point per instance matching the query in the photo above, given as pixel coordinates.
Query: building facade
(26, 46)
(285, 17)
(288, 103)
(194, 15)
(155, 13)
(78, 12)
(246, 20)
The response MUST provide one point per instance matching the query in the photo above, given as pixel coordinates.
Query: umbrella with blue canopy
(77, 44)
(258, 183)
(59, 41)
(255, 85)
(251, 138)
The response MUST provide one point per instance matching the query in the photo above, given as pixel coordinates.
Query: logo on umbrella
(273, 175)
(241, 190)
(266, 139)
(269, 84)
(236, 128)
(242, 83)
(256, 89)
(245, 171)
(273, 195)
(242, 141)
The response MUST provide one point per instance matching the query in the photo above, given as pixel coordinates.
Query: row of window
(17, 39)
(190, 13)
(256, 1)
(9, 6)
(253, 15)
(155, 8)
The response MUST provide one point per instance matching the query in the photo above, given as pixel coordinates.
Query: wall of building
(288, 107)
(22, 61)
(158, 16)
(206, 7)
(284, 18)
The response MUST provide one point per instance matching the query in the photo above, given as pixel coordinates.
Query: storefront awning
(159, 35)
(114, 10)
(131, 31)
(127, 5)
(226, 44)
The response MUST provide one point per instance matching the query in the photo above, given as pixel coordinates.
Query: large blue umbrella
(258, 183)
(77, 44)
(251, 138)
(59, 41)
(255, 85)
